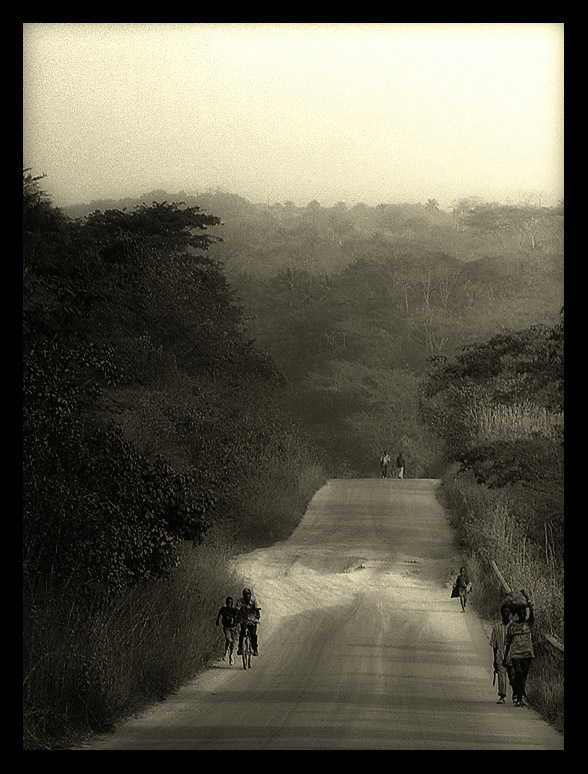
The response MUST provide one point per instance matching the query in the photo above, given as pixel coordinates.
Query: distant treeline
(263, 239)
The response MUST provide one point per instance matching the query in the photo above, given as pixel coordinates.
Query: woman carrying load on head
(519, 649)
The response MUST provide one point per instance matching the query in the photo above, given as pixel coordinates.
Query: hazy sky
(336, 112)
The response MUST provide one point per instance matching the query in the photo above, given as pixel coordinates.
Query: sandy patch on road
(284, 587)
(288, 582)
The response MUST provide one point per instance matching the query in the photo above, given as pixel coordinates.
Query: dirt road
(361, 646)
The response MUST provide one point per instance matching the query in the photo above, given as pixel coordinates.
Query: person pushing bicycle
(249, 613)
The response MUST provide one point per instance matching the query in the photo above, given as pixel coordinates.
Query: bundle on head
(515, 601)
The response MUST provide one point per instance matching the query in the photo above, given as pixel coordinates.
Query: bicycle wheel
(246, 652)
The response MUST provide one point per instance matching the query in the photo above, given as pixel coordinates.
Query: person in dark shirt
(464, 587)
(519, 650)
(228, 615)
(400, 464)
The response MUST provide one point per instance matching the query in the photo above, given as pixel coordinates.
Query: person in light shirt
(498, 644)
(385, 463)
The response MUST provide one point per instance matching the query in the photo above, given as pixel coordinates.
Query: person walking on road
(519, 651)
(400, 464)
(464, 587)
(498, 644)
(385, 463)
(228, 615)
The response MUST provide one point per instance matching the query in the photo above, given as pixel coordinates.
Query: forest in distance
(197, 366)
(353, 302)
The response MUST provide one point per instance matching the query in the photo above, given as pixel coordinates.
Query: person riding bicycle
(249, 613)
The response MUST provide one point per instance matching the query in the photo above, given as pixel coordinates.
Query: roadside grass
(546, 686)
(491, 526)
(89, 664)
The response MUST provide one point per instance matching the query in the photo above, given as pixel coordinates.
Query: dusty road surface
(361, 647)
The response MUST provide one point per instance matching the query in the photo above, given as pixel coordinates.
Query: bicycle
(246, 648)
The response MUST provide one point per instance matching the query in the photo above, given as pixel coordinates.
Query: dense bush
(512, 450)
(120, 300)
(525, 460)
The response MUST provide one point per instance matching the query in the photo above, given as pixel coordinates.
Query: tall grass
(88, 664)
(274, 504)
(90, 661)
(513, 421)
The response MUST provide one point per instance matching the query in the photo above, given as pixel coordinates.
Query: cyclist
(229, 616)
(249, 613)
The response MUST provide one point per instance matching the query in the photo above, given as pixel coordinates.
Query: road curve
(361, 647)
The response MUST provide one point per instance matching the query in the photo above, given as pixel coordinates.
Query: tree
(120, 311)
(497, 379)
(524, 222)
(434, 279)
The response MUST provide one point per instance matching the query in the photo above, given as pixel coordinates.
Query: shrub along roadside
(91, 660)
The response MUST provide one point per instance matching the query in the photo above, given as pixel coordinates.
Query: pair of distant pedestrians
(386, 462)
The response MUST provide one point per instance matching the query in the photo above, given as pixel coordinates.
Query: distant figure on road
(498, 644)
(229, 616)
(464, 587)
(400, 464)
(249, 618)
(385, 463)
(519, 649)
